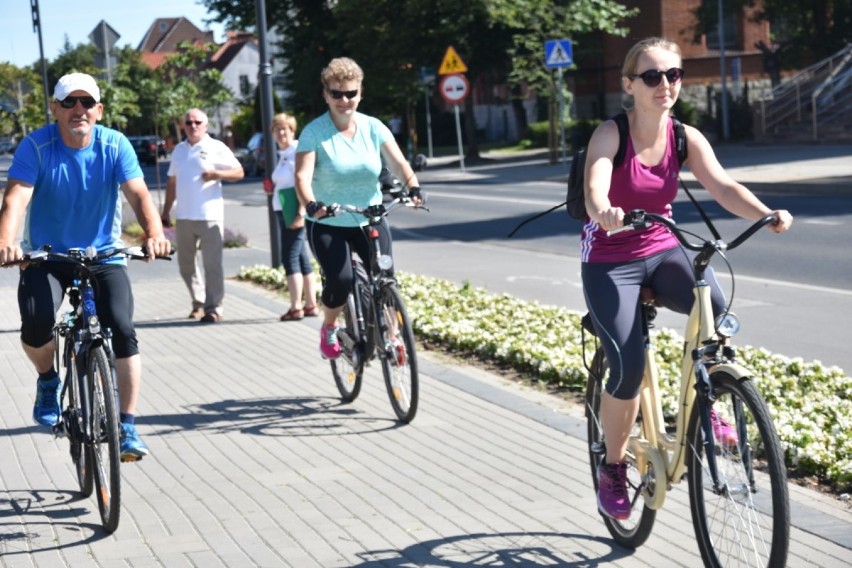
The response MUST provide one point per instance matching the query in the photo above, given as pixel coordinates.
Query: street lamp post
(725, 129)
(265, 84)
(37, 28)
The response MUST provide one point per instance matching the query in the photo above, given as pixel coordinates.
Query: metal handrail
(795, 95)
(839, 84)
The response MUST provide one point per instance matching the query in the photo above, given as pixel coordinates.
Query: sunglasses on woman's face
(340, 94)
(653, 77)
(71, 102)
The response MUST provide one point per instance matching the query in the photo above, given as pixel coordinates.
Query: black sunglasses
(195, 122)
(71, 102)
(653, 77)
(340, 94)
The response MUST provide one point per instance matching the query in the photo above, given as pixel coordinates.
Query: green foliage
(190, 84)
(30, 115)
(686, 112)
(537, 133)
(499, 40)
(810, 404)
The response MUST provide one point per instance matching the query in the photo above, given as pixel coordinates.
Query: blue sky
(76, 19)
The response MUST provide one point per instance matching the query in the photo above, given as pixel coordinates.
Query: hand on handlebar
(318, 210)
(10, 255)
(612, 219)
(157, 247)
(417, 195)
(783, 222)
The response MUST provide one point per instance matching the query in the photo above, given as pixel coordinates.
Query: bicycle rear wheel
(72, 418)
(399, 358)
(635, 530)
(348, 369)
(746, 521)
(105, 438)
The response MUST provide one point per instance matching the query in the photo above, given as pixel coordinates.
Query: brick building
(597, 79)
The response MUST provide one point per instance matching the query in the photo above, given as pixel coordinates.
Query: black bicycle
(374, 322)
(89, 397)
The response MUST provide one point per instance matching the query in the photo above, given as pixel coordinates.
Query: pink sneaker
(723, 431)
(329, 346)
(613, 500)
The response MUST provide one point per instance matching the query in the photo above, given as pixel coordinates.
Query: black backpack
(575, 201)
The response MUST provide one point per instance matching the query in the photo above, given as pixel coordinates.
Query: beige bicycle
(737, 483)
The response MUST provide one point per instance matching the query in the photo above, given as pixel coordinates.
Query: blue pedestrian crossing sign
(558, 53)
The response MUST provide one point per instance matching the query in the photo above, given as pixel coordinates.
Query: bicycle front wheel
(745, 519)
(348, 369)
(105, 438)
(399, 358)
(635, 530)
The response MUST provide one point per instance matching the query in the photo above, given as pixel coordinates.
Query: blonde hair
(283, 119)
(340, 70)
(647, 44)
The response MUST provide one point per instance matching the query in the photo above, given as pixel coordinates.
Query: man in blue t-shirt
(66, 176)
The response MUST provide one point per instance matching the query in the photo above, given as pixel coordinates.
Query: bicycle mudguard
(734, 369)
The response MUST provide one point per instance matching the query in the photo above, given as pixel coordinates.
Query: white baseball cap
(76, 82)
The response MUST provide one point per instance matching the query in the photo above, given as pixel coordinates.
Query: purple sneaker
(723, 431)
(329, 346)
(613, 500)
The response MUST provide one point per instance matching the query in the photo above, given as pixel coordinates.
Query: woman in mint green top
(339, 158)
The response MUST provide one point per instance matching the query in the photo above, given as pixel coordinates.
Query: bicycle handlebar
(375, 211)
(639, 219)
(84, 257)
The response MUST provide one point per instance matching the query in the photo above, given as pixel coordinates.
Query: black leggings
(612, 296)
(41, 289)
(333, 246)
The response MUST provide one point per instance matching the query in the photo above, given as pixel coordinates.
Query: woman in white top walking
(291, 223)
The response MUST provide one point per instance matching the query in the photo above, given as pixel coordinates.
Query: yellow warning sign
(452, 63)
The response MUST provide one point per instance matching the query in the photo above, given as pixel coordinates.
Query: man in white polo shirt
(199, 166)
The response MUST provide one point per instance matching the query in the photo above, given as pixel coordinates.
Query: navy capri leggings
(612, 296)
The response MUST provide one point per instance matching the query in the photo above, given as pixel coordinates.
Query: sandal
(293, 314)
(311, 312)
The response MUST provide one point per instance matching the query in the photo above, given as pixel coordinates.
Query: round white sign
(454, 88)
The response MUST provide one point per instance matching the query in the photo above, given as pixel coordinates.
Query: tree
(804, 30)
(184, 81)
(21, 100)
(499, 40)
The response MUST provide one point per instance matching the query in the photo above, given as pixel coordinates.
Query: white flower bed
(811, 404)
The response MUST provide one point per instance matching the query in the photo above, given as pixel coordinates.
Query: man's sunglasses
(653, 77)
(193, 123)
(340, 94)
(71, 102)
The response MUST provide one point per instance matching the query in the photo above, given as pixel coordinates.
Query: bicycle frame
(81, 326)
(370, 319)
(667, 452)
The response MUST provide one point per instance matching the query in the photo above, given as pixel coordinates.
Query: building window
(245, 86)
(732, 33)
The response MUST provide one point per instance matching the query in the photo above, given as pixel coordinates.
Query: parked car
(251, 156)
(148, 147)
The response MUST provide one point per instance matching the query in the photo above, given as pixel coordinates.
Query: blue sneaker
(132, 448)
(46, 410)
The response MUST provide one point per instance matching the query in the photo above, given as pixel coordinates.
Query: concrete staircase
(814, 105)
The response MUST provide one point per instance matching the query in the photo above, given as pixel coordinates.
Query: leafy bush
(810, 404)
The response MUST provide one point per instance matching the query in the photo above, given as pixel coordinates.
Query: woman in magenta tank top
(615, 268)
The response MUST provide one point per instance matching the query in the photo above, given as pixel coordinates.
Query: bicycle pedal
(59, 430)
(130, 459)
